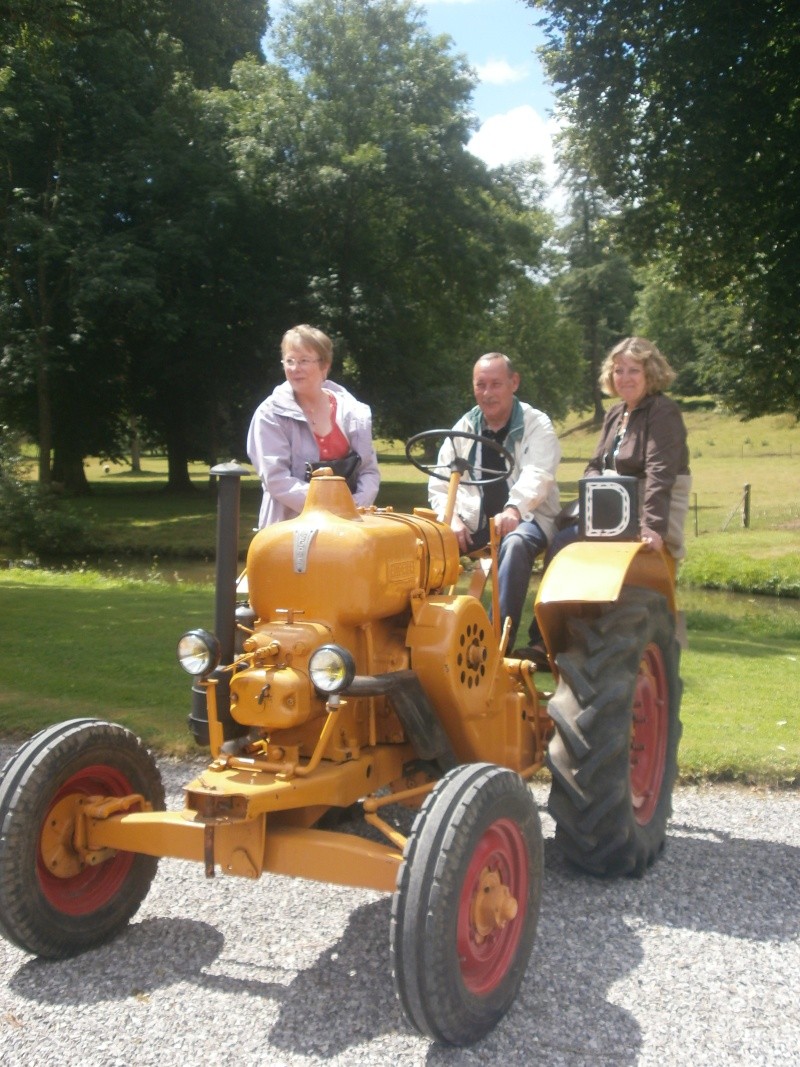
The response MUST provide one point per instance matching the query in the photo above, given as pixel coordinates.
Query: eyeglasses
(292, 363)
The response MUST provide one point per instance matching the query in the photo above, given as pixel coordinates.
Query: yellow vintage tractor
(356, 677)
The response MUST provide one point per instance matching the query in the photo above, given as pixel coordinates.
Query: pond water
(738, 605)
(707, 600)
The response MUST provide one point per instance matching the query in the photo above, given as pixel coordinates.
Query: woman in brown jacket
(643, 436)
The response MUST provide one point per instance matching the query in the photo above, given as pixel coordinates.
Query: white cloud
(500, 72)
(519, 134)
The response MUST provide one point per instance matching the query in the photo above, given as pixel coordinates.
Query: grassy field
(79, 643)
(86, 644)
(726, 455)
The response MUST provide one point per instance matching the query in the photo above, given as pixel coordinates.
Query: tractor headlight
(331, 669)
(198, 652)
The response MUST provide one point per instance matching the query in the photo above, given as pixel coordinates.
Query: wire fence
(707, 515)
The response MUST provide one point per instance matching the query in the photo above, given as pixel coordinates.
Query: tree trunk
(68, 470)
(136, 449)
(45, 424)
(178, 480)
(595, 362)
(599, 410)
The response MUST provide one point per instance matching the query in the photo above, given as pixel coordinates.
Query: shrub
(34, 521)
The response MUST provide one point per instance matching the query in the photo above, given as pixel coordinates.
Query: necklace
(611, 458)
(311, 411)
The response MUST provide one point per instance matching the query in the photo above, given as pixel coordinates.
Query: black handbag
(347, 467)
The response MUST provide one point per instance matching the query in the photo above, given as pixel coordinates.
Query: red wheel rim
(484, 961)
(94, 886)
(649, 734)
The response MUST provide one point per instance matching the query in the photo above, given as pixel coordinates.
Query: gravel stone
(694, 964)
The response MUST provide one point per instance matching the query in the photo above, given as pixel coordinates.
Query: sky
(513, 100)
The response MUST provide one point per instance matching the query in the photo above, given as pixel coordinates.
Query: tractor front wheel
(52, 903)
(613, 757)
(465, 910)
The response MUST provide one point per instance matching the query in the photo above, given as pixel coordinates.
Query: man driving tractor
(525, 503)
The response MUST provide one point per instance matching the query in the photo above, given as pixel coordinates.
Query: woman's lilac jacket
(280, 443)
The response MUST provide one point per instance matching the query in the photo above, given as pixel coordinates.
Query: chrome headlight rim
(198, 652)
(331, 669)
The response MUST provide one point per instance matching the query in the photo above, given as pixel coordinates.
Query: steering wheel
(457, 464)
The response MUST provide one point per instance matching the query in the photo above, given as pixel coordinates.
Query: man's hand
(462, 533)
(507, 521)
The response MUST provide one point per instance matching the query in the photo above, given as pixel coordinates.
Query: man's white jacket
(532, 487)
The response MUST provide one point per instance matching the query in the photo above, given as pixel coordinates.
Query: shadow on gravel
(353, 980)
(147, 956)
(711, 881)
(590, 937)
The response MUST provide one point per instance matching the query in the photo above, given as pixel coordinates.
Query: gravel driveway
(697, 963)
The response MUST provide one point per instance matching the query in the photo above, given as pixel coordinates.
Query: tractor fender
(595, 572)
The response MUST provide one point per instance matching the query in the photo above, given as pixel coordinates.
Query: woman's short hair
(308, 337)
(658, 374)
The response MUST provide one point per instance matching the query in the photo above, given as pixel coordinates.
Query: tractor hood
(338, 564)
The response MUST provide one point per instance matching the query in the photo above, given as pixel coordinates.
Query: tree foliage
(596, 286)
(34, 520)
(407, 235)
(87, 91)
(170, 203)
(697, 332)
(688, 113)
(528, 323)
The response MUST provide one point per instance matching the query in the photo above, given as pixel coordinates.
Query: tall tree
(190, 327)
(697, 332)
(597, 286)
(80, 85)
(689, 114)
(406, 235)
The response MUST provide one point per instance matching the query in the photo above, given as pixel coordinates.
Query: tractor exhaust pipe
(229, 476)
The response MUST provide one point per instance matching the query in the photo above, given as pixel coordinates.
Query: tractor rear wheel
(613, 757)
(465, 910)
(51, 902)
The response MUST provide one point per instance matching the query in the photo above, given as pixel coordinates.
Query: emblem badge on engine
(302, 546)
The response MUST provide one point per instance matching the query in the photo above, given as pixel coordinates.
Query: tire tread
(588, 756)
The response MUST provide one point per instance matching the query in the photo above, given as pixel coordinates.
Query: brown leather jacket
(653, 449)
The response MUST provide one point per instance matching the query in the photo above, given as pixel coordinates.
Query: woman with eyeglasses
(305, 420)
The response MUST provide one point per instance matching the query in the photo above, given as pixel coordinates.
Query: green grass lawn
(740, 715)
(81, 644)
(78, 645)
(84, 644)
(741, 674)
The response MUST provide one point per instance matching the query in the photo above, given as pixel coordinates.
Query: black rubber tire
(453, 984)
(613, 757)
(59, 917)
